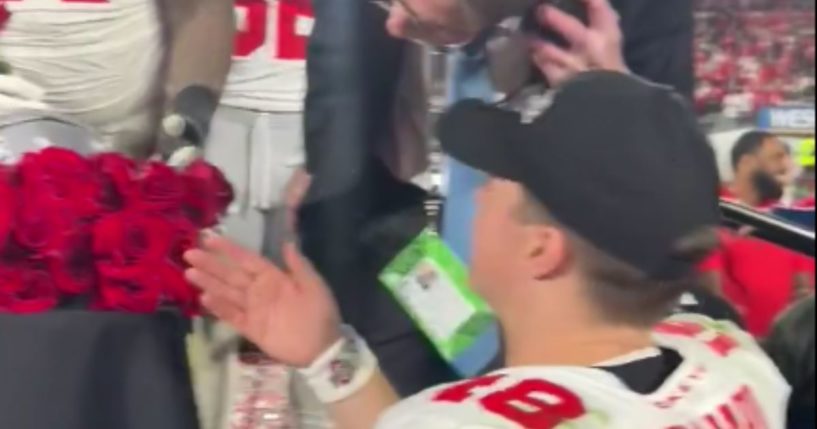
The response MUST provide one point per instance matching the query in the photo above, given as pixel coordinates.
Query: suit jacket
(352, 65)
(358, 216)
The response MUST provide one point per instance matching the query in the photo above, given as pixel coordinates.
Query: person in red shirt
(760, 279)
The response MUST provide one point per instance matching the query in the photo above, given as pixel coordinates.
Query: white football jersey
(724, 382)
(269, 63)
(97, 60)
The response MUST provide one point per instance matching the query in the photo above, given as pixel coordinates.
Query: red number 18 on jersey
(532, 404)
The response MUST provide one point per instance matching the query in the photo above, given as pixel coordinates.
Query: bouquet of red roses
(102, 233)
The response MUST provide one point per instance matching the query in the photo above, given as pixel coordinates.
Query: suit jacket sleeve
(659, 41)
(352, 66)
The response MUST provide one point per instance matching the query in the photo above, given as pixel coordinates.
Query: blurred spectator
(762, 164)
(757, 277)
(791, 346)
(753, 54)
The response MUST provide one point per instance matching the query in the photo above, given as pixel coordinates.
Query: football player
(586, 235)
(119, 65)
(261, 106)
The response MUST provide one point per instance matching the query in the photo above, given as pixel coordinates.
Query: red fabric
(757, 277)
(4, 14)
(727, 195)
(805, 204)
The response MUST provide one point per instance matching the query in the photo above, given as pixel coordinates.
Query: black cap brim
(480, 136)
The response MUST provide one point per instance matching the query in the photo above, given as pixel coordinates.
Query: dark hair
(623, 293)
(629, 296)
(748, 144)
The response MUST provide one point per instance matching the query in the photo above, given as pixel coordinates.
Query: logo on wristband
(343, 368)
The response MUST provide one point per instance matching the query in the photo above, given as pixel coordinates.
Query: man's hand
(598, 46)
(290, 314)
(294, 194)
(437, 22)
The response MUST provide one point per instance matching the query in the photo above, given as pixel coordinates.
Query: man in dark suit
(361, 215)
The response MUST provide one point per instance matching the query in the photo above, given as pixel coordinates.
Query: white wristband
(343, 370)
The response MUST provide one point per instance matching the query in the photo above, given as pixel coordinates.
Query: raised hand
(290, 314)
(597, 46)
(294, 194)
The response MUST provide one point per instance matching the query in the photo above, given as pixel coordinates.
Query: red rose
(161, 189)
(64, 177)
(128, 247)
(140, 264)
(26, 290)
(133, 289)
(8, 203)
(40, 226)
(208, 194)
(71, 264)
(117, 175)
(131, 238)
(177, 290)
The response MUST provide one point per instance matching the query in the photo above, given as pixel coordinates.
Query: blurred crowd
(752, 54)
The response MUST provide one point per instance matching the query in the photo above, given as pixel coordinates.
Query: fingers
(399, 22)
(225, 311)
(300, 268)
(573, 30)
(555, 63)
(295, 193)
(297, 188)
(602, 15)
(548, 53)
(235, 296)
(261, 299)
(216, 266)
(236, 254)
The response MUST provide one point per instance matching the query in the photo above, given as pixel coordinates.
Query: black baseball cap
(620, 161)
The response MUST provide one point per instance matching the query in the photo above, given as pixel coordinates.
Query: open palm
(289, 313)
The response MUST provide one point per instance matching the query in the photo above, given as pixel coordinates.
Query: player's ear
(547, 252)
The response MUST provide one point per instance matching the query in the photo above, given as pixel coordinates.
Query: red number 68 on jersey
(284, 25)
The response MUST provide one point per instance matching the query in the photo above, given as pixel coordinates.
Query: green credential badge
(431, 284)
